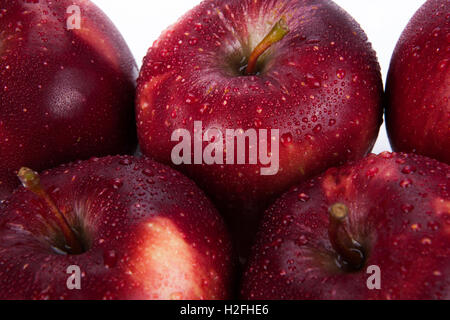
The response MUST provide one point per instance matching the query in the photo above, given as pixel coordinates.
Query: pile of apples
(142, 227)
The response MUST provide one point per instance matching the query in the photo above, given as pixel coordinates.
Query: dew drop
(286, 139)
(340, 74)
(317, 129)
(301, 241)
(436, 32)
(407, 208)
(110, 258)
(312, 81)
(434, 226)
(117, 183)
(148, 173)
(372, 172)
(409, 170)
(443, 64)
(406, 183)
(303, 197)
(125, 162)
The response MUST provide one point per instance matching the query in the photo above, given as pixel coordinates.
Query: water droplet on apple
(434, 225)
(286, 139)
(125, 162)
(372, 172)
(313, 81)
(436, 32)
(110, 258)
(301, 241)
(317, 129)
(409, 169)
(313, 41)
(406, 183)
(340, 73)
(117, 183)
(416, 52)
(387, 155)
(303, 197)
(147, 172)
(407, 208)
(443, 64)
(198, 26)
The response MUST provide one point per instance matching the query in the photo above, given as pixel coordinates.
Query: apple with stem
(386, 216)
(134, 228)
(303, 68)
(67, 86)
(418, 85)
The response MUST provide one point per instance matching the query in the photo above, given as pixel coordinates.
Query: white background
(142, 21)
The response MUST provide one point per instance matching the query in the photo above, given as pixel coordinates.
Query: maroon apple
(304, 68)
(375, 229)
(418, 86)
(66, 93)
(134, 228)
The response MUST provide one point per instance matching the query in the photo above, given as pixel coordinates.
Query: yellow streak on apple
(97, 40)
(442, 207)
(149, 90)
(170, 266)
(332, 187)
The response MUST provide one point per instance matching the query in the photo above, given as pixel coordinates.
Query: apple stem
(278, 32)
(31, 181)
(348, 249)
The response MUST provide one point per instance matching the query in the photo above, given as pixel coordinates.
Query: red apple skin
(320, 85)
(418, 86)
(399, 211)
(153, 235)
(65, 95)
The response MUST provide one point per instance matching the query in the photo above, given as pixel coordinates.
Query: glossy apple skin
(153, 235)
(320, 86)
(399, 211)
(418, 86)
(65, 95)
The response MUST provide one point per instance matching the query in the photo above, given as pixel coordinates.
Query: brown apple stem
(347, 248)
(278, 32)
(31, 180)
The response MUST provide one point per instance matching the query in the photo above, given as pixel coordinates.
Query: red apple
(65, 94)
(304, 68)
(418, 86)
(135, 228)
(325, 238)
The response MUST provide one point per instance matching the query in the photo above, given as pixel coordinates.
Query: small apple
(375, 229)
(418, 85)
(135, 229)
(67, 86)
(303, 68)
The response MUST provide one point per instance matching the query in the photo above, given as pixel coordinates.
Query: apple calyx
(278, 32)
(31, 181)
(351, 253)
